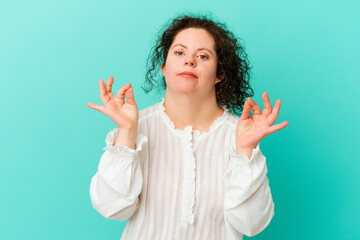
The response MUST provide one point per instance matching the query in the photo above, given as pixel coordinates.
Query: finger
(246, 110)
(277, 127)
(109, 84)
(103, 94)
(275, 112)
(97, 107)
(130, 96)
(121, 93)
(257, 109)
(267, 105)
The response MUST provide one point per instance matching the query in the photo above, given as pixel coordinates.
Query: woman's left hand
(250, 131)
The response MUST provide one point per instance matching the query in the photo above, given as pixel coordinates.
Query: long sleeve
(115, 188)
(248, 204)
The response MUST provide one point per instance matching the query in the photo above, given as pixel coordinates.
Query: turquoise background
(53, 53)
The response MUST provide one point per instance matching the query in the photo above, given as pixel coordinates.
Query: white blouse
(183, 184)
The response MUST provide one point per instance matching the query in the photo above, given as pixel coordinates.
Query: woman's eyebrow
(179, 44)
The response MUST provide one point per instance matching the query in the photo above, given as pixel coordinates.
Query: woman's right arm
(115, 188)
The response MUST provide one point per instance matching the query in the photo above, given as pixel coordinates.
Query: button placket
(188, 201)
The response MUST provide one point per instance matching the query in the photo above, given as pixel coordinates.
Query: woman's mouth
(187, 75)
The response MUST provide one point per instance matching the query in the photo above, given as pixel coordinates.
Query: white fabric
(183, 184)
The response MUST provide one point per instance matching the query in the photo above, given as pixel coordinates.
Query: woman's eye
(201, 56)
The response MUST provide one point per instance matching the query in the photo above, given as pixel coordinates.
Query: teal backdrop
(53, 53)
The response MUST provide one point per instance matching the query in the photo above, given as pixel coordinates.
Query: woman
(187, 168)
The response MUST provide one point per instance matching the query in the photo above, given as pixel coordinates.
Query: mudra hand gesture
(250, 131)
(124, 114)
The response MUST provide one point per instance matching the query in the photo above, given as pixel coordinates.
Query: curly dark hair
(232, 67)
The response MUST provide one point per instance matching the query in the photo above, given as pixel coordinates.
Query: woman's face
(191, 62)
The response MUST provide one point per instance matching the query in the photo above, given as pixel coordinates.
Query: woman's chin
(185, 88)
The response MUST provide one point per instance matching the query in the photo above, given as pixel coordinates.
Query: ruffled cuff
(241, 158)
(111, 137)
(118, 167)
(243, 176)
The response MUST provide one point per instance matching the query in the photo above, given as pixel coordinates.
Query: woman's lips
(187, 75)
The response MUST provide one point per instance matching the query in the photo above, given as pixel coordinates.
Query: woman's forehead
(194, 38)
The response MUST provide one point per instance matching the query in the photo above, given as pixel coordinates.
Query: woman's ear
(219, 79)
(162, 67)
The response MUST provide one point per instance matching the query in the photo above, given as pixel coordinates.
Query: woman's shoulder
(149, 111)
(232, 120)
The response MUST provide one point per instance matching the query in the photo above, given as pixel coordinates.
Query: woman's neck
(186, 110)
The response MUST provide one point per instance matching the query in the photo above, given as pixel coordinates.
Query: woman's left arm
(248, 205)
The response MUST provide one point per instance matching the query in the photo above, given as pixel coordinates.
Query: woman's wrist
(126, 138)
(246, 151)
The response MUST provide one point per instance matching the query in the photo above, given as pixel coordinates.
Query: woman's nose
(190, 61)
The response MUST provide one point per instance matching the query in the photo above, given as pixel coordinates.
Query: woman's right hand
(124, 114)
